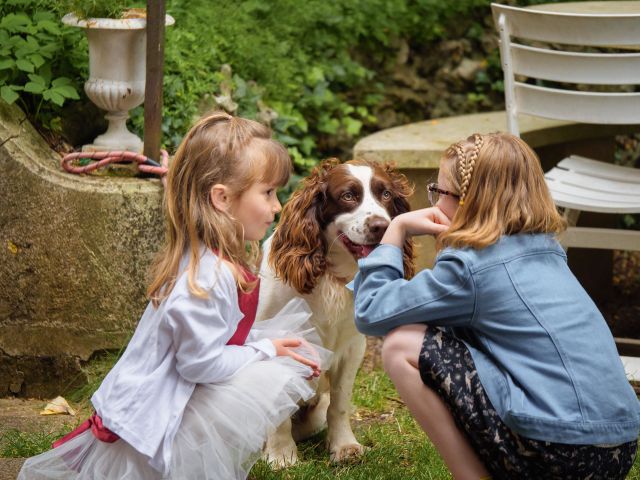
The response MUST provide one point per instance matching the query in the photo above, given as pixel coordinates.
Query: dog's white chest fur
(331, 305)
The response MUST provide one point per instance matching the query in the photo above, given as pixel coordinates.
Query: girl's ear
(220, 197)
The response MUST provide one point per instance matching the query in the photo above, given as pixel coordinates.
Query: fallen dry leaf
(58, 406)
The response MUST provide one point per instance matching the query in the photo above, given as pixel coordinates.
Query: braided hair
(466, 164)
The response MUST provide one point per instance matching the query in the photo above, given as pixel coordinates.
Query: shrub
(33, 69)
(320, 73)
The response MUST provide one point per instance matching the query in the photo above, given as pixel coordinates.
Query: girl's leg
(400, 353)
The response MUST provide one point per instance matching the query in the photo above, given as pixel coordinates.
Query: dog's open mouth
(357, 250)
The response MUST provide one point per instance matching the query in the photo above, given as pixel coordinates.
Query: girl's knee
(401, 346)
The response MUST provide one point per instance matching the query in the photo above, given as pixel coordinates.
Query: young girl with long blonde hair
(498, 352)
(198, 390)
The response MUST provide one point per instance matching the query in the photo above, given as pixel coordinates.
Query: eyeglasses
(434, 192)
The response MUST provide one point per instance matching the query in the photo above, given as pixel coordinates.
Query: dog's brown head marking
(358, 198)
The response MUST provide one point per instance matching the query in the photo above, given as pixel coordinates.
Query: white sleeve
(200, 329)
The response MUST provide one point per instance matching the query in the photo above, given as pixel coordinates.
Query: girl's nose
(276, 206)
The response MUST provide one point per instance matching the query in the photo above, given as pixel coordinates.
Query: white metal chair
(577, 183)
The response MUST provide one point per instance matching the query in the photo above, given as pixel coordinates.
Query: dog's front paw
(347, 452)
(281, 458)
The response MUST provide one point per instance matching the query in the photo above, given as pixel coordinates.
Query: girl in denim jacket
(498, 352)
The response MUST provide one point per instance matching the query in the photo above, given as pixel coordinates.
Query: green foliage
(33, 68)
(18, 444)
(314, 70)
(290, 66)
(28, 42)
(321, 74)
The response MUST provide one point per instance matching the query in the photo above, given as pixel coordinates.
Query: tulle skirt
(224, 425)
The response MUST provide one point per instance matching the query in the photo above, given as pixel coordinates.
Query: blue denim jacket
(543, 351)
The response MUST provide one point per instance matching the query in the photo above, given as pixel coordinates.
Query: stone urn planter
(117, 63)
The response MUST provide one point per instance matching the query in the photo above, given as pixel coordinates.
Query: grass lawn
(397, 448)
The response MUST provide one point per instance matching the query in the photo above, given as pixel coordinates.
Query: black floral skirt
(447, 368)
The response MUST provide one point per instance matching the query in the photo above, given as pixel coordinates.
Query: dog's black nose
(377, 226)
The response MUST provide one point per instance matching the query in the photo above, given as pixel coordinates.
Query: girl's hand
(284, 349)
(426, 221)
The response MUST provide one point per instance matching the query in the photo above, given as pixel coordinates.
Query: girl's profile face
(446, 203)
(256, 209)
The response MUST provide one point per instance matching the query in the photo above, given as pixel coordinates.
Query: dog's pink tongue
(365, 250)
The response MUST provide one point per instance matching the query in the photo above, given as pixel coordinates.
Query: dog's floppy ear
(298, 248)
(402, 189)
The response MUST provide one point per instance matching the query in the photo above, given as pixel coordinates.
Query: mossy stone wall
(73, 261)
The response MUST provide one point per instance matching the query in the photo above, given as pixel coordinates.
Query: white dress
(220, 430)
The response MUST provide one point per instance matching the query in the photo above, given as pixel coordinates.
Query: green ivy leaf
(33, 87)
(8, 95)
(287, 139)
(61, 81)
(49, 26)
(16, 41)
(37, 60)
(307, 144)
(33, 43)
(14, 21)
(67, 91)
(328, 125)
(37, 79)
(54, 97)
(352, 126)
(24, 65)
(6, 63)
(315, 76)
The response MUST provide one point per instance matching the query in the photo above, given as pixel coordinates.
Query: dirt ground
(24, 415)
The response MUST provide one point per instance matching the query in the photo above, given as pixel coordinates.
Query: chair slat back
(571, 29)
(594, 168)
(585, 107)
(576, 67)
(553, 64)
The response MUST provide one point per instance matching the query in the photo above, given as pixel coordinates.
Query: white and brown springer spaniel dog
(338, 216)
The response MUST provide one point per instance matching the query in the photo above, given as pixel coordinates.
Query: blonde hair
(502, 191)
(218, 149)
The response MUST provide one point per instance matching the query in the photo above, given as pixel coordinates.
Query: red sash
(94, 422)
(248, 303)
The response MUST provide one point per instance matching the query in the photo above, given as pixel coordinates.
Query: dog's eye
(348, 196)
(386, 195)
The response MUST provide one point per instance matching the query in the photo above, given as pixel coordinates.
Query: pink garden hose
(145, 164)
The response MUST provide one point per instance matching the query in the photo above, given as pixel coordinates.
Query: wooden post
(153, 85)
